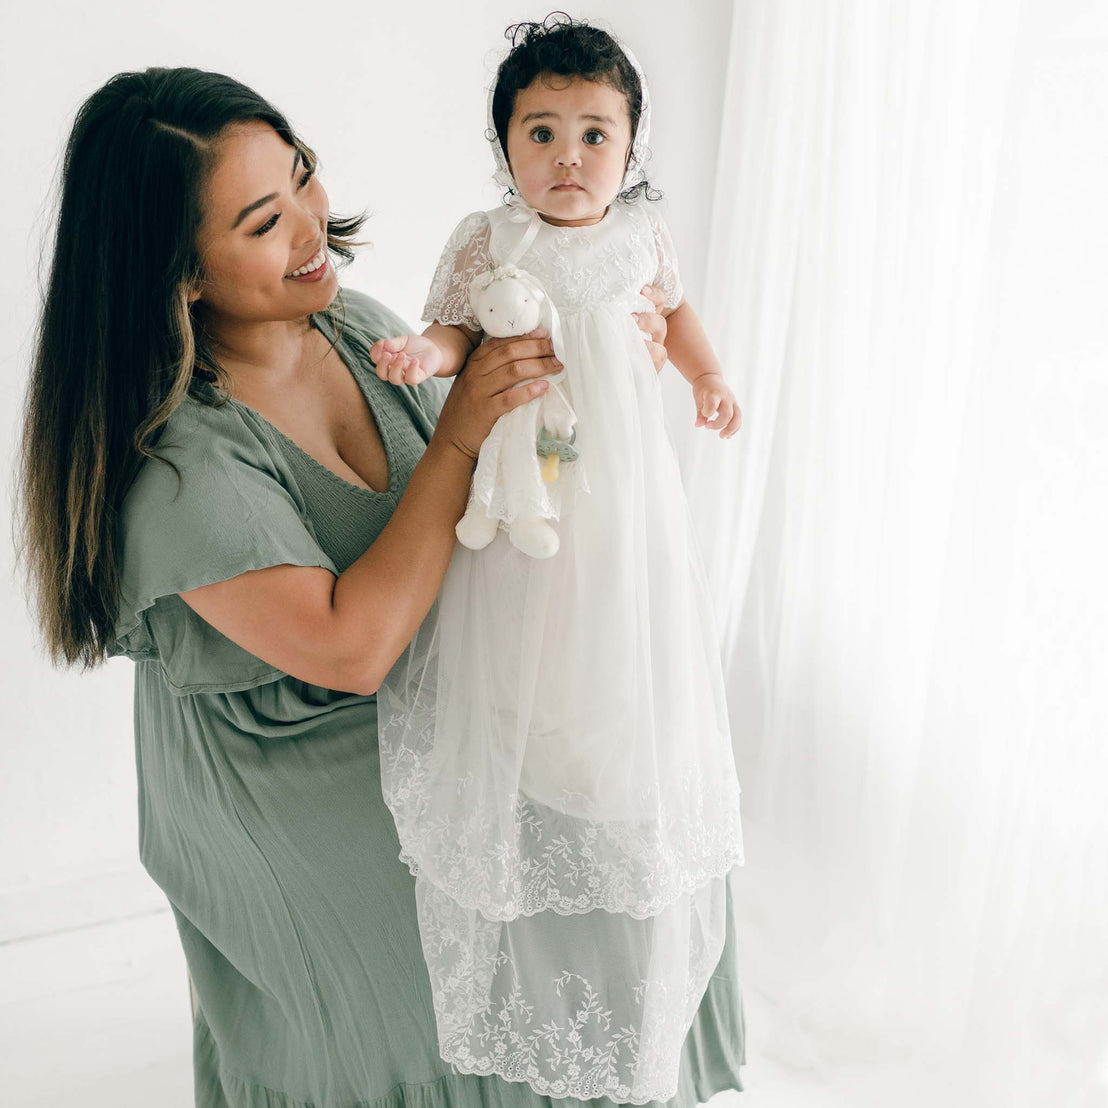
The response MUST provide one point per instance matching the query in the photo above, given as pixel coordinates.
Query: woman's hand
(654, 325)
(486, 387)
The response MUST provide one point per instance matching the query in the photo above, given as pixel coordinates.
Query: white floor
(100, 1015)
(97, 1016)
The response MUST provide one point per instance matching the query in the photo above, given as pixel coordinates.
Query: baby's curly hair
(565, 47)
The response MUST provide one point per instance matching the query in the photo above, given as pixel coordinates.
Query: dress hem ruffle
(709, 1065)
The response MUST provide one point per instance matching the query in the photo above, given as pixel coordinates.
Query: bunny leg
(534, 536)
(476, 529)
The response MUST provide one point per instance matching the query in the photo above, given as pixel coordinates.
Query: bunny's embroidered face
(505, 304)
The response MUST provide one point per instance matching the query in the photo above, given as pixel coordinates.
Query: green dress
(260, 807)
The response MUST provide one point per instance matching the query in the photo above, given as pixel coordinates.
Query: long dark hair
(117, 348)
(565, 47)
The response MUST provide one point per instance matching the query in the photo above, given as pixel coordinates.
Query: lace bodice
(580, 267)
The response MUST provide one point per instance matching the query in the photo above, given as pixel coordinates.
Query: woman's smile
(314, 269)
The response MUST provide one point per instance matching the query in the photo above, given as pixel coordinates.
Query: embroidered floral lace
(554, 744)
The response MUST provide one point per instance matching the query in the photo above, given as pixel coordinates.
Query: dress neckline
(606, 218)
(341, 348)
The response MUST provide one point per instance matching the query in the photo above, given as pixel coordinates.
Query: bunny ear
(482, 281)
(488, 277)
(532, 283)
(548, 318)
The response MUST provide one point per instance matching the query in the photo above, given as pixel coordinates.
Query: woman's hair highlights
(565, 47)
(117, 349)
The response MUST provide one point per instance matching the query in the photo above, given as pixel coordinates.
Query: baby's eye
(542, 134)
(593, 137)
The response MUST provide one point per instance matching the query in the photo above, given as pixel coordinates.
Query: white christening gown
(555, 740)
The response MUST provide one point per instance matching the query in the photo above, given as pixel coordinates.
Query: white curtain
(908, 539)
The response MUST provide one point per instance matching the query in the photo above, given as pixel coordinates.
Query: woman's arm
(346, 632)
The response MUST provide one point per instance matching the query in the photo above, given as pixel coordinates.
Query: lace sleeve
(466, 253)
(667, 278)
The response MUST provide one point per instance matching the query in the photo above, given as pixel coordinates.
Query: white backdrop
(392, 97)
(907, 285)
(908, 282)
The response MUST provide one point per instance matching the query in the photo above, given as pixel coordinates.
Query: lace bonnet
(636, 162)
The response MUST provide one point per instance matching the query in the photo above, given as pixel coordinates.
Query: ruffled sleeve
(466, 254)
(235, 509)
(667, 278)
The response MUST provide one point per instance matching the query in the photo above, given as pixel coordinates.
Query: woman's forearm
(380, 600)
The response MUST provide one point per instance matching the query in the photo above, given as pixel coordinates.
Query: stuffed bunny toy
(509, 484)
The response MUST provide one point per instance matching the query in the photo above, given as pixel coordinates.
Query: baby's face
(567, 147)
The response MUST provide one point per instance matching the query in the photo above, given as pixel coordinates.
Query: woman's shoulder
(204, 440)
(216, 470)
(364, 314)
(215, 501)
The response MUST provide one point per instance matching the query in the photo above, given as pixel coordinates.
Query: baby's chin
(568, 213)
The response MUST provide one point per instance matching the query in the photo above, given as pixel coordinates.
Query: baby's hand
(716, 408)
(406, 359)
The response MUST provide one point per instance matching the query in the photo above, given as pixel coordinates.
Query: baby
(567, 147)
(556, 738)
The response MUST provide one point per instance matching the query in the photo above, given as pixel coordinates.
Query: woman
(216, 484)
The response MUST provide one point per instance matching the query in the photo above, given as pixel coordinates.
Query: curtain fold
(906, 287)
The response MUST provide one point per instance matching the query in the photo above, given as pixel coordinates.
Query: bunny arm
(556, 415)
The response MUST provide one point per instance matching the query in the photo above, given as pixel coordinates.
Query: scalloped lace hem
(606, 898)
(567, 1089)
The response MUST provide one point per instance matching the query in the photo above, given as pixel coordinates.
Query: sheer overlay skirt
(556, 753)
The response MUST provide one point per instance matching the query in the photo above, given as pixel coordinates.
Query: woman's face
(264, 225)
(567, 147)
